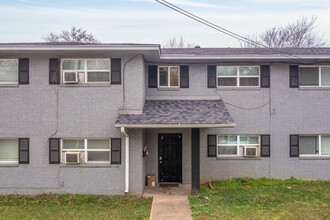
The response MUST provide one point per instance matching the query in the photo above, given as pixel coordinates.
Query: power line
(221, 29)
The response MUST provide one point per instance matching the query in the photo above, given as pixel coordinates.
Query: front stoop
(170, 207)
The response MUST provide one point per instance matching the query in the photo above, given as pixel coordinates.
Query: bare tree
(178, 43)
(297, 34)
(77, 35)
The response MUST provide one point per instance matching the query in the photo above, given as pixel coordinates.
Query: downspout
(122, 129)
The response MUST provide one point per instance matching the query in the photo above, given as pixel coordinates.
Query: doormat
(169, 185)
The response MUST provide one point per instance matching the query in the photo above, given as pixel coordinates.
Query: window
(314, 76)
(232, 145)
(238, 76)
(91, 150)
(8, 150)
(9, 71)
(314, 145)
(86, 70)
(168, 76)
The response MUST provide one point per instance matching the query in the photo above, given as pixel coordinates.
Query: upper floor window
(169, 76)
(314, 76)
(238, 145)
(315, 145)
(8, 150)
(238, 76)
(85, 70)
(9, 71)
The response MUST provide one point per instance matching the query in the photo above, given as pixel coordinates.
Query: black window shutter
(265, 145)
(54, 71)
(115, 151)
(54, 150)
(211, 145)
(211, 76)
(265, 76)
(184, 76)
(23, 71)
(23, 151)
(294, 76)
(116, 71)
(294, 145)
(152, 76)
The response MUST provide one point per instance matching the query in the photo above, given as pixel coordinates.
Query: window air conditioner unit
(250, 151)
(72, 157)
(70, 77)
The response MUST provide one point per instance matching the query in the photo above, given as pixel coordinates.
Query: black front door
(170, 157)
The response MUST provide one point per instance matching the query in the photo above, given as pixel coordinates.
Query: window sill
(90, 165)
(239, 89)
(168, 89)
(9, 85)
(237, 158)
(314, 157)
(314, 88)
(87, 85)
(9, 164)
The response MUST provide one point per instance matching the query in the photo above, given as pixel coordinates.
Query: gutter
(126, 159)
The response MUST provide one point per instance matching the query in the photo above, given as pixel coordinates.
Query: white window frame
(320, 76)
(238, 145)
(85, 70)
(238, 76)
(12, 83)
(11, 162)
(319, 142)
(85, 150)
(168, 77)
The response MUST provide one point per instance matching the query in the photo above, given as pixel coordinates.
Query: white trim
(122, 130)
(319, 147)
(11, 162)
(243, 57)
(238, 145)
(12, 83)
(176, 125)
(319, 75)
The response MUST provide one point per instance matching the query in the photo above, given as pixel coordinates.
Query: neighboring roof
(74, 44)
(178, 113)
(242, 51)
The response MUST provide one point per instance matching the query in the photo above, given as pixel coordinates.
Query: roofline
(176, 125)
(244, 57)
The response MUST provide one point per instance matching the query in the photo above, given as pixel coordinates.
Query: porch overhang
(179, 114)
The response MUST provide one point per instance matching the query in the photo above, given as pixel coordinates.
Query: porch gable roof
(178, 113)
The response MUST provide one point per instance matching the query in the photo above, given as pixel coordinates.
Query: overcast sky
(146, 21)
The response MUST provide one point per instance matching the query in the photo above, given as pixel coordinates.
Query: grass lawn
(247, 198)
(53, 206)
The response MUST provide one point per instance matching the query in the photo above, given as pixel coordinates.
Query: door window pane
(249, 71)
(98, 155)
(8, 71)
(227, 139)
(309, 76)
(227, 150)
(163, 76)
(73, 65)
(249, 81)
(227, 81)
(98, 64)
(308, 145)
(325, 76)
(227, 70)
(174, 76)
(73, 144)
(8, 150)
(98, 144)
(249, 140)
(98, 77)
(325, 142)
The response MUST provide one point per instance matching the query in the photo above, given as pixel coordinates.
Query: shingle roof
(194, 113)
(247, 51)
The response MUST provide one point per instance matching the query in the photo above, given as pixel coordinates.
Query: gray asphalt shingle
(179, 112)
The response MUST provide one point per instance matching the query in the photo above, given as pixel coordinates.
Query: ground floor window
(8, 150)
(87, 150)
(238, 145)
(316, 145)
